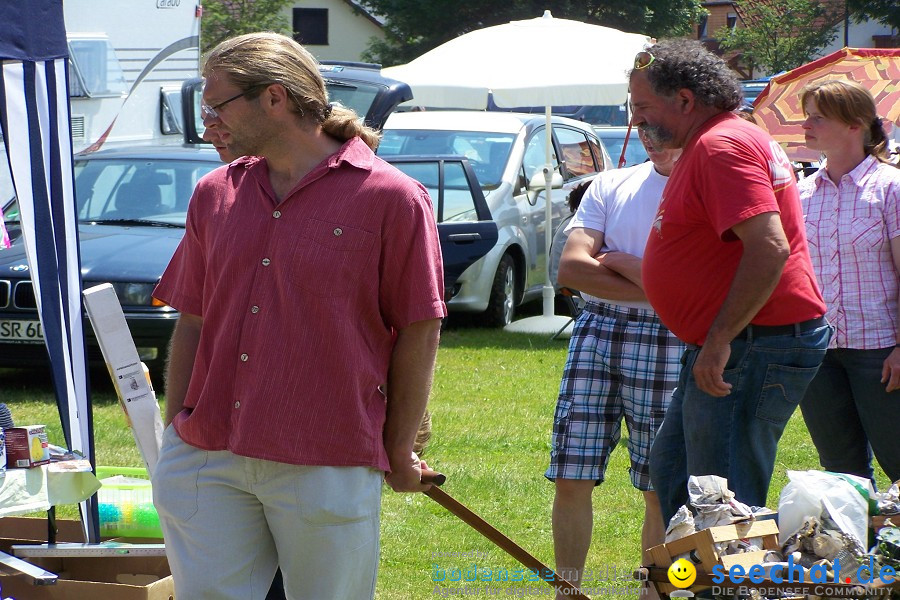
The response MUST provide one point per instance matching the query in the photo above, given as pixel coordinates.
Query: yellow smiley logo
(682, 573)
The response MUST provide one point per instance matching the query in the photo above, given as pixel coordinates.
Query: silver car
(507, 153)
(614, 139)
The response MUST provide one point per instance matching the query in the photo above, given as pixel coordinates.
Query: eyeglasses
(212, 111)
(643, 59)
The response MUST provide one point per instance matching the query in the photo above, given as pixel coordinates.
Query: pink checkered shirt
(850, 227)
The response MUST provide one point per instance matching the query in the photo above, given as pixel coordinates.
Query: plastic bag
(843, 499)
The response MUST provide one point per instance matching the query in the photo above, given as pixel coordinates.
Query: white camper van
(128, 59)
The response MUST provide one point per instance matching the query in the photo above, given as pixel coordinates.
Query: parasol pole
(548, 323)
(548, 291)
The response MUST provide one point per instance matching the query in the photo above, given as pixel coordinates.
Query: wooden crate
(701, 546)
(879, 521)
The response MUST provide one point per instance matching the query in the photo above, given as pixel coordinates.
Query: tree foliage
(780, 35)
(223, 19)
(886, 12)
(415, 26)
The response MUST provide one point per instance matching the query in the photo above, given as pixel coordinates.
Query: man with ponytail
(309, 283)
(852, 212)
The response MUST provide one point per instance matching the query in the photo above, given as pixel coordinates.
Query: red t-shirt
(300, 302)
(730, 170)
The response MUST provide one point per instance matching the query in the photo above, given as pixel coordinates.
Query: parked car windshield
(487, 152)
(132, 189)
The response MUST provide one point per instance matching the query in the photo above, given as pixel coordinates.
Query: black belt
(754, 331)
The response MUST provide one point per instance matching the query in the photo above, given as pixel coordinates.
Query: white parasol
(538, 62)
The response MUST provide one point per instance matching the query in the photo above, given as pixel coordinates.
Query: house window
(311, 26)
(701, 27)
(731, 20)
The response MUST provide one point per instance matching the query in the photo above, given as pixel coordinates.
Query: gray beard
(658, 135)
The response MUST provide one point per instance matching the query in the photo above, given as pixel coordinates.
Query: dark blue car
(132, 205)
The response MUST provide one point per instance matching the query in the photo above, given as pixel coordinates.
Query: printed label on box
(27, 446)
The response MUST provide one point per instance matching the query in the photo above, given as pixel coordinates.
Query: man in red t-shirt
(728, 271)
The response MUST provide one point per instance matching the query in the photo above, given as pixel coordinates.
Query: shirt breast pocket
(866, 234)
(329, 257)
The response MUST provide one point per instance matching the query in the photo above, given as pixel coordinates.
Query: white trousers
(230, 521)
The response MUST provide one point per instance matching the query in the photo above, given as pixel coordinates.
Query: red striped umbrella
(778, 109)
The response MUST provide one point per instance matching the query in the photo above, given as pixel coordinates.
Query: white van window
(97, 69)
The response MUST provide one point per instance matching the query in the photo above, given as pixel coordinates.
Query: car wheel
(502, 303)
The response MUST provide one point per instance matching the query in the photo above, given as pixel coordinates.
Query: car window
(456, 204)
(605, 115)
(112, 189)
(597, 150)
(634, 153)
(358, 96)
(575, 152)
(487, 152)
(536, 155)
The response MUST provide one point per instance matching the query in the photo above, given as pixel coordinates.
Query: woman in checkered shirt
(852, 211)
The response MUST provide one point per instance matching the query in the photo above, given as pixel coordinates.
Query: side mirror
(191, 90)
(538, 182)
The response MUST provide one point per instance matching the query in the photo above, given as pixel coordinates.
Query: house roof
(362, 10)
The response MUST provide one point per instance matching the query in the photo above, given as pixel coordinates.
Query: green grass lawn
(492, 406)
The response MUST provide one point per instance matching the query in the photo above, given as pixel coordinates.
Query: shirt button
(338, 231)
(237, 404)
(266, 262)
(277, 214)
(245, 357)
(254, 309)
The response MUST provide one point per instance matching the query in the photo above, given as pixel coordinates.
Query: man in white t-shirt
(622, 361)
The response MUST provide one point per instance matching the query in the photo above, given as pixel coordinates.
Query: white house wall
(860, 36)
(348, 33)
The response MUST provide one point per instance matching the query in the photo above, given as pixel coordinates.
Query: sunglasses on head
(643, 59)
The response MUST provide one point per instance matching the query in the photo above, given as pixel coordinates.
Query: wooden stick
(503, 542)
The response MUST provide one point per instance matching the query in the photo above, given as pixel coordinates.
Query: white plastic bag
(812, 493)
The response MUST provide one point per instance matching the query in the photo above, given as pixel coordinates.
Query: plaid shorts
(621, 362)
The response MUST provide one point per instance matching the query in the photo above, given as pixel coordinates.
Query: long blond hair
(851, 104)
(254, 60)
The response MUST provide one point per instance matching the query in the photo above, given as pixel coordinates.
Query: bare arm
(182, 352)
(766, 250)
(626, 265)
(409, 384)
(890, 371)
(578, 269)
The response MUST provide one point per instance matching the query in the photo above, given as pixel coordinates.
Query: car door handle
(464, 237)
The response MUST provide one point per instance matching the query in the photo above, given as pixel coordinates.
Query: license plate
(23, 332)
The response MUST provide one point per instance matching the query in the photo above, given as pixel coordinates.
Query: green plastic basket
(126, 509)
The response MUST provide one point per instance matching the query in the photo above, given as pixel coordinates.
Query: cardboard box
(95, 578)
(27, 446)
(701, 548)
(136, 395)
(83, 578)
(35, 530)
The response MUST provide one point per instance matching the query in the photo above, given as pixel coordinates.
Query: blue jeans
(735, 437)
(849, 414)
